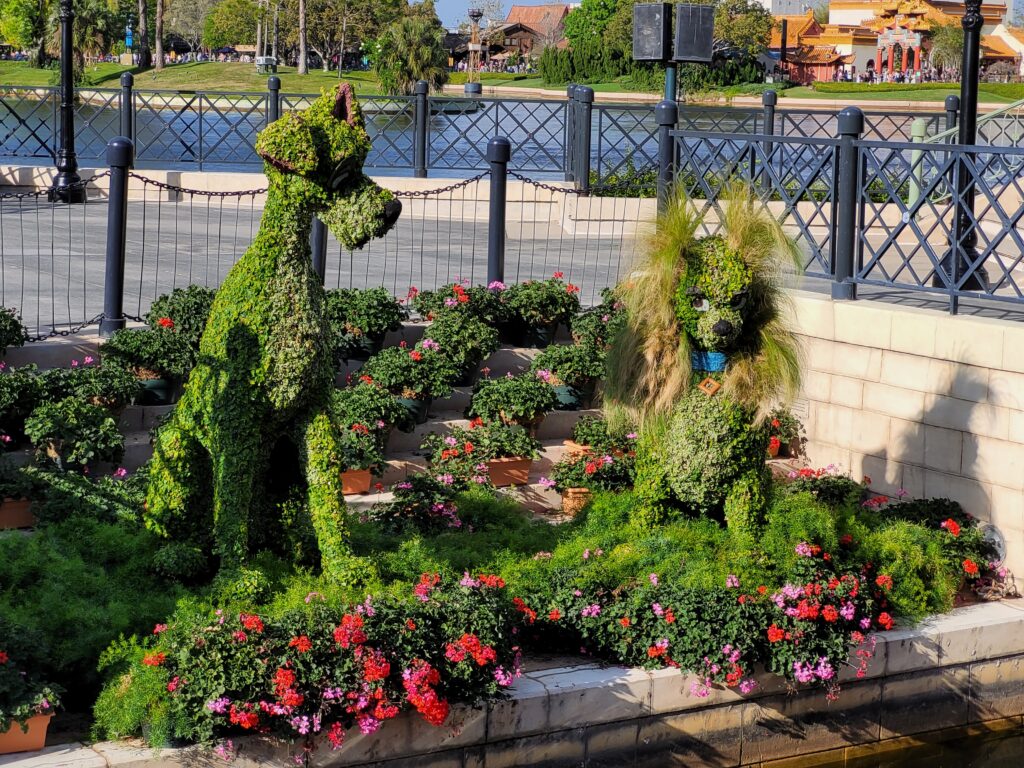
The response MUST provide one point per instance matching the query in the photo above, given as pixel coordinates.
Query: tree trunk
(344, 30)
(144, 54)
(159, 34)
(302, 67)
(277, 30)
(259, 30)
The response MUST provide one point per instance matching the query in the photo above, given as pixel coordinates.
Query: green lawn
(921, 94)
(206, 76)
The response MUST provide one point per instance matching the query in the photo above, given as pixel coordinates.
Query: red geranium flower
(555, 614)
(775, 634)
(416, 355)
(559, 275)
(591, 468)
(885, 621)
(410, 625)
(154, 659)
(884, 581)
(952, 526)
(165, 322)
(670, 617)
(829, 613)
(251, 622)
(970, 567)
(624, 621)
(301, 643)
(4, 658)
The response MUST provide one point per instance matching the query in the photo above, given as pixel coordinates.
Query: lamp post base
(976, 281)
(67, 188)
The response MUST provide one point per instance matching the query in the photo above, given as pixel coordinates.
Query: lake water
(988, 751)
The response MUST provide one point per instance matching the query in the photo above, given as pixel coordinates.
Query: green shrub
(913, 556)
(466, 338)
(21, 390)
(12, 332)
(462, 453)
(483, 303)
(24, 691)
(512, 399)
(538, 303)
(366, 403)
(72, 434)
(357, 316)
(573, 365)
(595, 327)
(419, 373)
(188, 309)
(594, 471)
(151, 353)
(79, 584)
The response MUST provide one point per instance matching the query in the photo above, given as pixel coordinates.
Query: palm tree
(411, 50)
(947, 50)
(92, 31)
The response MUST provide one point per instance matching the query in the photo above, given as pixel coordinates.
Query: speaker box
(695, 31)
(652, 32)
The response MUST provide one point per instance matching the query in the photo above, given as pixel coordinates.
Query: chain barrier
(441, 190)
(46, 192)
(548, 187)
(200, 192)
(66, 331)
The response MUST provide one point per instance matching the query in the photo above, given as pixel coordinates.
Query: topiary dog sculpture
(266, 369)
(703, 356)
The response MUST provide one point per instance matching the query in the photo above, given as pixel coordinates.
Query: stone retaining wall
(962, 671)
(921, 401)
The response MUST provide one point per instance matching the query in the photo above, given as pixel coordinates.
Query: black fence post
(585, 97)
(419, 141)
(120, 158)
(768, 101)
(273, 99)
(851, 126)
(570, 133)
(667, 115)
(318, 245)
(952, 110)
(499, 152)
(127, 106)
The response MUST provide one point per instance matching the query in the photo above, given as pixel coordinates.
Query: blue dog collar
(713, 362)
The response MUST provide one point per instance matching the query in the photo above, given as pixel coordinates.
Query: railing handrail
(982, 119)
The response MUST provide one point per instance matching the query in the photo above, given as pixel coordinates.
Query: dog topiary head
(713, 294)
(317, 156)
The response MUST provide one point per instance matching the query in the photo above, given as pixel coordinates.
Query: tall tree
(230, 22)
(744, 26)
(185, 18)
(25, 23)
(303, 66)
(158, 34)
(588, 22)
(92, 33)
(947, 47)
(145, 56)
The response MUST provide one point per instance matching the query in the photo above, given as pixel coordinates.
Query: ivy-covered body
(266, 369)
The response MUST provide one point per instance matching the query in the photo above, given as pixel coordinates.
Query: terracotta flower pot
(574, 500)
(574, 449)
(16, 513)
(16, 740)
(355, 481)
(510, 471)
(773, 449)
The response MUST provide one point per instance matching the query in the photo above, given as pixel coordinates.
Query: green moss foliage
(252, 427)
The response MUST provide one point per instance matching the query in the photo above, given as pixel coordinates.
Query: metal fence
(901, 202)
(575, 139)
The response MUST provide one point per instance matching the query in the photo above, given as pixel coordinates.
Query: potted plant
(359, 319)
(483, 303)
(15, 505)
(469, 340)
(592, 434)
(576, 477)
(501, 453)
(21, 390)
(27, 702)
(536, 308)
(12, 332)
(185, 311)
(422, 502)
(109, 386)
(598, 325)
(71, 434)
(160, 359)
(573, 370)
(365, 414)
(414, 376)
(522, 400)
(785, 433)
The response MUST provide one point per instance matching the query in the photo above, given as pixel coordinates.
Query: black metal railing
(577, 139)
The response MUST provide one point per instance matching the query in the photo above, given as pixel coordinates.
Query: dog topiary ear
(344, 104)
(288, 145)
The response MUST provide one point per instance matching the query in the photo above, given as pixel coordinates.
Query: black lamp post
(67, 184)
(964, 240)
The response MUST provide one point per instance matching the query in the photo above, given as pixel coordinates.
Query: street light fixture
(67, 184)
(963, 250)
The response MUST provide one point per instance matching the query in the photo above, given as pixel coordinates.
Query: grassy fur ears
(649, 363)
